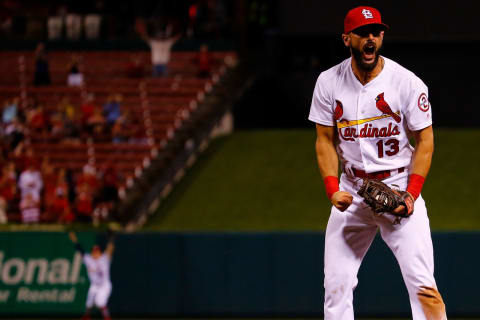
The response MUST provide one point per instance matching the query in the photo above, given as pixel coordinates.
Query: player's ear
(346, 39)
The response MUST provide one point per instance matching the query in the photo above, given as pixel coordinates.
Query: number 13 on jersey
(389, 147)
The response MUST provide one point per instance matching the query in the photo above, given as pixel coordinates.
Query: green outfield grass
(268, 181)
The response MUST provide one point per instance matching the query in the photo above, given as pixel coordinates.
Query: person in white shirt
(98, 270)
(366, 109)
(30, 182)
(30, 209)
(160, 48)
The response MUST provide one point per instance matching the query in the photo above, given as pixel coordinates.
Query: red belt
(379, 175)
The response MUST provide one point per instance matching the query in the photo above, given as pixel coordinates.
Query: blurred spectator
(160, 48)
(61, 210)
(14, 134)
(31, 182)
(110, 181)
(36, 121)
(61, 207)
(207, 18)
(42, 70)
(138, 132)
(50, 183)
(122, 129)
(71, 121)
(84, 203)
(67, 108)
(3, 147)
(56, 23)
(54, 27)
(203, 62)
(3, 211)
(75, 77)
(96, 123)
(111, 109)
(72, 132)
(73, 24)
(135, 67)
(10, 110)
(8, 185)
(88, 177)
(30, 208)
(101, 212)
(57, 126)
(6, 25)
(87, 108)
(92, 23)
(24, 155)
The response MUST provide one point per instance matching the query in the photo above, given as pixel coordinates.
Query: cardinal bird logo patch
(383, 106)
(338, 113)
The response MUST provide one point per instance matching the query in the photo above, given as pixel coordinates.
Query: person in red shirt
(61, 207)
(203, 62)
(61, 210)
(135, 67)
(50, 184)
(89, 177)
(84, 204)
(87, 108)
(8, 182)
(36, 118)
(8, 189)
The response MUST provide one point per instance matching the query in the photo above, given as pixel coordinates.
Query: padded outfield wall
(213, 274)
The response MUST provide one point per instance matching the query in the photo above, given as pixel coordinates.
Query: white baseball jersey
(160, 50)
(98, 270)
(374, 120)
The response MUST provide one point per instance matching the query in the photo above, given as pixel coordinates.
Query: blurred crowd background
(91, 91)
(54, 93)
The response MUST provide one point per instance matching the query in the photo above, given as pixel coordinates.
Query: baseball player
(98, 270)
(366, 108)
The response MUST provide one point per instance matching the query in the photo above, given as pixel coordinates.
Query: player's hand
(73, 236)
(408, 209)
(341, 200)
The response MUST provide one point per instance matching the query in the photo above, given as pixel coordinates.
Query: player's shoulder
(331, 76)
(402, 74)
(337, 71)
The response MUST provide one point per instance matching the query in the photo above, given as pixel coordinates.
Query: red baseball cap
(361, 16)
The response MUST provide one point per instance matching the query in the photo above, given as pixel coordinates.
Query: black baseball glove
(382, 199)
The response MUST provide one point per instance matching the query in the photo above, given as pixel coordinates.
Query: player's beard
(358, 56)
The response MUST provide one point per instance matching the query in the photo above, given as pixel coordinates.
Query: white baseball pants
(349, 235)
(98, 295)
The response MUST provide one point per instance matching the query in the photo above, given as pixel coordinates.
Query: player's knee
(338, 283)
(432, 303)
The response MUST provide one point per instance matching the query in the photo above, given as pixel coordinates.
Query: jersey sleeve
(106, 259)
(419, 111)
(321, 109)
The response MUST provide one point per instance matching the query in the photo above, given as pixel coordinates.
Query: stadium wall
(219, 274)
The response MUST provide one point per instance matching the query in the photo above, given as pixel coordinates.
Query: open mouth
(369, 51)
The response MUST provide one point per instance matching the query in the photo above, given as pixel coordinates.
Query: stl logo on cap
(361, 16)
(367, 14)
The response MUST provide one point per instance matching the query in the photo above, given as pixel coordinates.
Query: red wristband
(415, 184)
(331, 185)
